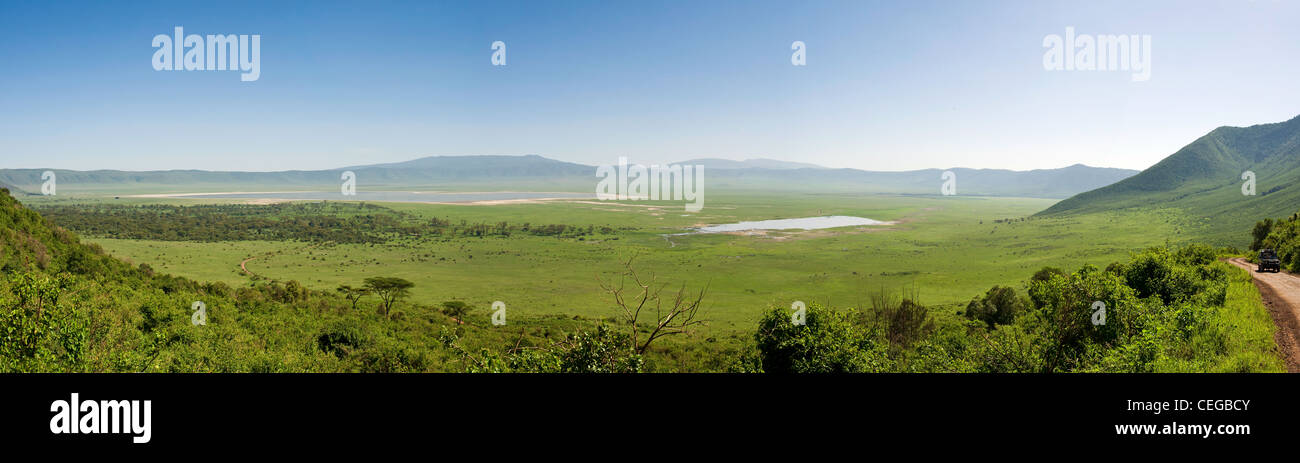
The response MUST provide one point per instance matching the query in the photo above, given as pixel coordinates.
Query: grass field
(946, 249)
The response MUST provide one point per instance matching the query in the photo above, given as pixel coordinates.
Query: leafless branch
(671, 317)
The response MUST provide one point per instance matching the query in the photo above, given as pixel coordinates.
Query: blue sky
(887, 86)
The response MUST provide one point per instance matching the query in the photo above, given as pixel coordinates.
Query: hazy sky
(887, 86)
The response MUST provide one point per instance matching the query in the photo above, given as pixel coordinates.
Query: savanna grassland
(946, 250)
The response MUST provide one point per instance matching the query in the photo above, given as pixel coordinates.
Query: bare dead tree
(675, 314)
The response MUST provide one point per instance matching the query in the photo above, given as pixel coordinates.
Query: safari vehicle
(1268, 261)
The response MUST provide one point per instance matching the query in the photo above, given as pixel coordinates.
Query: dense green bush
(1068, 309)
(999, 306)
(343, 337)
(828, 342)
(1282, 235)
(38, 331)
(1162, 310)
(599, 351)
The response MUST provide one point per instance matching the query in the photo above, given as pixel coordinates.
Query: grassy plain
(945, 249)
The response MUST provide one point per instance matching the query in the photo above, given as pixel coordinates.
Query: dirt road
(243, 265)
(1281, 292)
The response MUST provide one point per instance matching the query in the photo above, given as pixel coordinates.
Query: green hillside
(1204, 179)
(30, 241)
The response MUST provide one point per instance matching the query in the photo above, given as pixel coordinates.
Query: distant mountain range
(715, 163)
(1041, 183)
(1205, 179)
(532, 172)
(471, 167)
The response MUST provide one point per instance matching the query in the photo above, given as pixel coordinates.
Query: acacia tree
(353, 295)
(673, 314)
(457, 310)
(389, 290)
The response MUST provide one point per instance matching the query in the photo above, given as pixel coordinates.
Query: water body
(394, 196)
(806, 223)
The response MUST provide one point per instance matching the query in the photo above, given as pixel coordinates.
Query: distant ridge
(715, 163)
(530, 165)
(1040, 183)
(538, 173)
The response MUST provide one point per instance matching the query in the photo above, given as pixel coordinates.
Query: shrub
(1064, 317)
(902, 321)
(828, 342)
(1156, 272)
(999, 306)
(1046, 273)
(456, 309)
(37, 331)
(343, 337)
(602, 351)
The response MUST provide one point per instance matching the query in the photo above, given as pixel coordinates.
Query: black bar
(191, 411)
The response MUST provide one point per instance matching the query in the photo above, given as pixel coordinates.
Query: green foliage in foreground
(1164, 310)
(599, 351)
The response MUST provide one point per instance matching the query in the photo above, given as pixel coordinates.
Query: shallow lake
(393, 196)
(806, 223)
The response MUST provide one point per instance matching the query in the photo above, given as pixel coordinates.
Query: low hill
(1204, 179)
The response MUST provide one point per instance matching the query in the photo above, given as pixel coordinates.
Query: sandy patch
(182, 195)
(268, 201)
(496, 202)
(612, 203)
